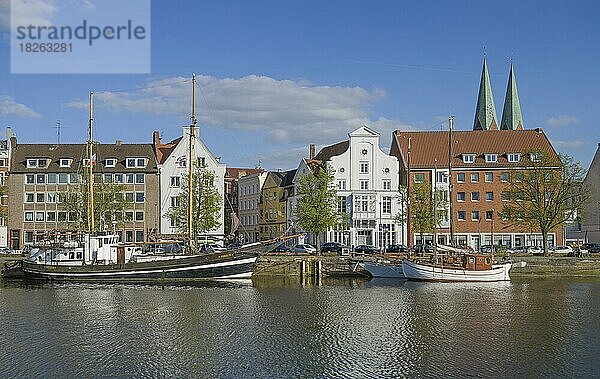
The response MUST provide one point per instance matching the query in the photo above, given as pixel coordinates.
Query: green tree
(206, 204)
(317, 208)
(546, 194)
(109, 203)
(421, 209)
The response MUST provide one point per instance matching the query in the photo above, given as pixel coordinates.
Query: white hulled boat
(474, 268)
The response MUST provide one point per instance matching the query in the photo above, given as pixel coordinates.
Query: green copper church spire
(512, 119)
(485, 114)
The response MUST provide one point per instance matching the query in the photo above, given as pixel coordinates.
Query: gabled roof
(512, 119)
(237, 172)
(327, 152)
(164, 150)
(429, 146)
(485, 112)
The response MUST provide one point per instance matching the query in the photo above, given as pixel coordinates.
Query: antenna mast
(191, 163)
(58, 126)
(90, 168)
(450, 124)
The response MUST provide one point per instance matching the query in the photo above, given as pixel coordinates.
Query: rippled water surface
(274, 329)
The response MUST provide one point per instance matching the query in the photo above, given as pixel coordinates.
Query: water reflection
(345, 328)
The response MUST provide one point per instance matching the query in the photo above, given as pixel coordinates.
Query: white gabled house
(366, 180)
(172, 158)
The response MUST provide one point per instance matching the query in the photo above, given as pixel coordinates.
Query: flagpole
(90, 169)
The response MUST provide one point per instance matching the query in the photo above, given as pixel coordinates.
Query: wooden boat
(474, 268)
(384, 269)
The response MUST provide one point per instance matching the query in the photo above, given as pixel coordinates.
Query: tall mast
(450, 124)
(90, 169)
(191, 161)
(408, 204)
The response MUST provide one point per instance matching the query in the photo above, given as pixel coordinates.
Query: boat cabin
(477, 262)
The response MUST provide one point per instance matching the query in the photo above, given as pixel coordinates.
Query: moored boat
(384, 269)
(474, 268)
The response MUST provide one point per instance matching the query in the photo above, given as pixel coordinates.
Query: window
(40, 179)
(386, 205)
(341, 184)
(489, 215)
(28, 236)
(174, 201)
(491, 158)
(63, 178)
(110, 162)
(514, 157)
(419, 177)
(63, 162)
(474, 177)
(460, 177)
(30, 179)
(2, 162)
(50, 216)
(505, 196)
(31, 163)
(442, 177)
(201, 162)
(172, 222)
(129, 178)
(139, 197)
(504, 177)
(534, 157)
(130, 162)
(475, 215)
(489, 177)
(519, 176)
(141, 162)
(40, 197)
(364, 184)
(51, 197)
(129, 236)
(39, 216)
(387, 184)
(129, 197)
(139, 216)
(468, 158)
(474, 196)
(62, 216)
(139, 178)
(341, 205)
(108, 178)
(128, 216)
(462, 215)
(28, 216)
(460, 196)
(73, 178)
(489, 196)
(139, 236)
(52, 178)
(118, 178)
(364, 167)
(29, 197)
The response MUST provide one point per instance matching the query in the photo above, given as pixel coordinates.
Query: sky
(276, 76)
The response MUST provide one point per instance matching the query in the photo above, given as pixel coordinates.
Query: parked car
(397, 248)
(563, 250)
(304, 248)
(334, 247)
(592, 248)
(281, 248)
(234, 245)
(419, 249)
(366, 249)
(535, 250)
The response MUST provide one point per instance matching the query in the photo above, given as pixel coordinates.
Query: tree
(317, 208)
(546, 194)
(109, 203)
(402, 215)
(206, 204)
(421, 209)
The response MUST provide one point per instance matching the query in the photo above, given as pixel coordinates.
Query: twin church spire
(485, 113)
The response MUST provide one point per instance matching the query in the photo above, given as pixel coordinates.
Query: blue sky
(275, 76)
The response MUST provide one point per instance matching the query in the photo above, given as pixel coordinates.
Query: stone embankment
(557, 266)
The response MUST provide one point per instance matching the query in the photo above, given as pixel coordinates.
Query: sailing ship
(472, 268)
(103, 258)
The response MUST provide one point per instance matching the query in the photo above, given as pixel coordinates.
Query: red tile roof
(427, 146)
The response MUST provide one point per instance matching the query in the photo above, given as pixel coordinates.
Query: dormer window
(37, 162)
(110, 162)
(468, 158)
(514, 157)
(64, 162)
(491, 158)
(534, 157)
(135, 162)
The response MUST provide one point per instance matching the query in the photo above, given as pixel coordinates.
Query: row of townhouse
(468, 170)
(152, 176)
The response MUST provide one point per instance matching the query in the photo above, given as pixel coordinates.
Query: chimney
(312, 151)
(156, 138)
(118, 142)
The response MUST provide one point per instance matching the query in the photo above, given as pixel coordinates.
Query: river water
(277, 329)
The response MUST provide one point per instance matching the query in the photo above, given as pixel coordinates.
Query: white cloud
(562, 120)
(573, 144)
(285, 111)
(9, 107)
(25, 12)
